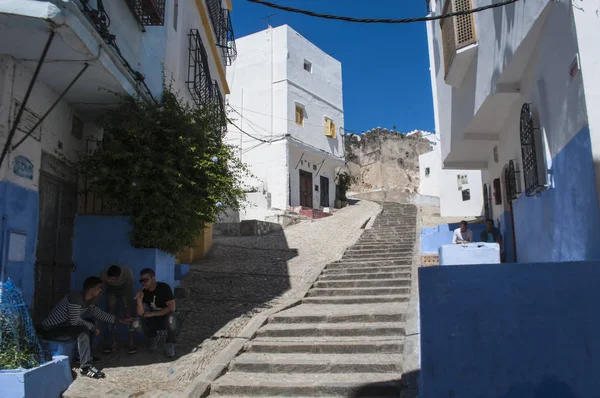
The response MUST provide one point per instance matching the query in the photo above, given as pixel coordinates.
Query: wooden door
(306, 190)
(324, 192)
(54, 254)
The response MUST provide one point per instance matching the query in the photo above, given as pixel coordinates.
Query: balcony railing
(457, 32)
(199, 83)
(148, 12)
(223, 29)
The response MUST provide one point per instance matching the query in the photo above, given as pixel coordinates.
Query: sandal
(132, 349)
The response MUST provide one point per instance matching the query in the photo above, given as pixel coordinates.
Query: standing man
(119, 290)
(462, 234)
(156, 307)
(65, 320)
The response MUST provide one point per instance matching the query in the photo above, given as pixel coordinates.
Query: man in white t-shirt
(463, 234)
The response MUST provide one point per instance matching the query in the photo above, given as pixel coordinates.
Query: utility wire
(382, 20)
(280, 138)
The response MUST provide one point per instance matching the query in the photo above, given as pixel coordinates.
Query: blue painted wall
(103, 240)
(432, 238)
(561, 224)
(510, 330)
(19, 209)
(505, 227)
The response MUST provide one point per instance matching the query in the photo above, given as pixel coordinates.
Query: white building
(460, 191)
(286, 102)
(515, 92)
(85, 52)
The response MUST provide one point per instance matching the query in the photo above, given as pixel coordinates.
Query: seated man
(491, 234)
(119, 290)
(65, 320)
(462, 234)
(158, 297)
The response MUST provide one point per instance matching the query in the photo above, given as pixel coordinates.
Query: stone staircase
(346, 337)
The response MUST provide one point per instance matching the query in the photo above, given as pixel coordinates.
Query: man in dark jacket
(491, 234)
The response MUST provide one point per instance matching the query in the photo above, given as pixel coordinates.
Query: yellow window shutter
(333, 131)
(327, 127)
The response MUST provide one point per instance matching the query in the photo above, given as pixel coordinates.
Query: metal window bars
(148, 12)
(223, 28)
(198, 81)
(533, 184)
(510, 180)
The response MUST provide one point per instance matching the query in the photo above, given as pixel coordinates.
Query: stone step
(357, 291)
(362, 283)
(325, 347)
(381, 246)
(365, 269)
(310, 385)
(331, 329)
(403, 260)
(306, 313)
(386, 239)
(317, 363)
(364, 276)
(380, 249)
(389, 298)
(379, 252)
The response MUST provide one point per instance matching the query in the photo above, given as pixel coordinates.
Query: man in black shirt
(156, 307)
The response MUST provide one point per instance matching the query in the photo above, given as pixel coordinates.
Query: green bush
(166, 167)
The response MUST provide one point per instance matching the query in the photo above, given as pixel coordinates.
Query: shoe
(92, 360)
(132, 349)
(154, 343)
(107, 349)
(92, 372)
(170, 350)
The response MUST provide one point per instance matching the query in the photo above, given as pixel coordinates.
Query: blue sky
(385, 67)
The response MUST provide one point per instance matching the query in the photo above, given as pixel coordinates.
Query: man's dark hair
(114, 271)
(463, 222)
(147, 271)
(91, 283)
(489, 220)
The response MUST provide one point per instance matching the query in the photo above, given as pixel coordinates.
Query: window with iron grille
(148, 12)
(220, 19)
(512, 187)
(530, 151)
(199, 83)
(220, 114)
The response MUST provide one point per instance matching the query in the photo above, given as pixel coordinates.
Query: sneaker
(92, 372)
(132, 349)
(170, 350)
(107, 349)
(154, 343)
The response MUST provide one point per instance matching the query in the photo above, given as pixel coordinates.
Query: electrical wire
(280, 138)
(381, 20)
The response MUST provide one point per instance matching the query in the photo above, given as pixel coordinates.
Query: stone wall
(385, 159)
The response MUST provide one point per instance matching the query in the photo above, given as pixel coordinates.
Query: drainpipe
(13, 129)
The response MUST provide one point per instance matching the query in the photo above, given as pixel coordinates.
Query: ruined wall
(387, 160)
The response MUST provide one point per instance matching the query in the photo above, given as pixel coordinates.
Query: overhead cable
(382, 20)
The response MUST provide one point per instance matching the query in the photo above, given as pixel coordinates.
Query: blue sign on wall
(23, 167)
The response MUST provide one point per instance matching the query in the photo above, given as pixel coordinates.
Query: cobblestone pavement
(241, 277)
